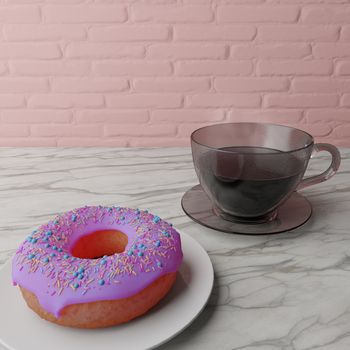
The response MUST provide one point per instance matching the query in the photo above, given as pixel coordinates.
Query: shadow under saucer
(291, 214)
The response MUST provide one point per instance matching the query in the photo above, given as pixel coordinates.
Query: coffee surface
(250, 181)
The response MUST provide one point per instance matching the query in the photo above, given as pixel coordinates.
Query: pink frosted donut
(65, 279)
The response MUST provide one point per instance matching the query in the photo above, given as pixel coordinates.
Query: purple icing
(59, 280)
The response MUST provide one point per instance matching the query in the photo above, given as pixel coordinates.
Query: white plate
(22, 329)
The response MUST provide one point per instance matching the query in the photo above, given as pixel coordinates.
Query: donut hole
(100, 243)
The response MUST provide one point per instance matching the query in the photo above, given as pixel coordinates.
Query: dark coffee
(249, 182)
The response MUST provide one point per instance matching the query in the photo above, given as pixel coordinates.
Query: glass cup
(249, 169)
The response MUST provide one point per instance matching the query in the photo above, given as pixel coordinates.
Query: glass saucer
(291, 214)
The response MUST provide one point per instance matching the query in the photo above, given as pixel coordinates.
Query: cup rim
(247, 123)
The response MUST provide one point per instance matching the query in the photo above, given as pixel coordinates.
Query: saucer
(291, 214)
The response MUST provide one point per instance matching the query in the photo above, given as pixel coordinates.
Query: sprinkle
(141, 246)
(156, 219)
(103, 262)
(74, 218)
(46, 260)
(122, 218)
(56, 222)
(65, 256)
(137, 211)
(134, 246)
(81, 270)
(46, 239)
(34, 240)
(159, 264)
(140, 254)
(52, 255)
(31, 256)
(130, 252)
(54, 247)
(81, 276)
(59, 238)
(166, 233)
(101, 282)
(75, 285)
(105, 256)
(75, 274)
(60, 250)
(49, 233)
(157, 244)
(110, 210)
(146, 211)
(29, 239)
(171, 225)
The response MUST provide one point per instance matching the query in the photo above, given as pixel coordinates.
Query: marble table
(286, 291)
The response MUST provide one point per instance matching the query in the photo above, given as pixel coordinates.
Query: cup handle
(336, 158)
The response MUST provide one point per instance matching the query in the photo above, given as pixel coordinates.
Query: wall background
(147, 73)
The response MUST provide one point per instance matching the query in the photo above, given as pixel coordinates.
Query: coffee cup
(249, 169)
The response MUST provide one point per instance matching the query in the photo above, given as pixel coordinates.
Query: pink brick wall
(147, 73)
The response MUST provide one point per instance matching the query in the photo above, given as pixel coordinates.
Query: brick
(77, 85)
(23, 85)
(8, 130)
(190, 51)
(171, 84)
(345, 101)
(342, 131)
(320, 85)
(65, 101)
(52, 130)
(11, 101)
(29, 50)
(147, 130)
(111, 116)
(345, 33)
(331, 50)
(187, 115)
(43, 32)
(92, 142)
(316, 130)
(160, 142)
(298, 32)
(250, 84)
(27, 142)
(129, 33)
(327, 115)
(256, 13)
(185, 130)
(171, 14)
(19, 14)
(267, 51)
(133, 68)
(84, 13)
(224, 100)
(3, 68)
(103, 50)
(294, 67)
(342, 68)
(48, 67)
(26, 116)
(300, 100)
(326, 14)
(277, 116)
(200, 32)
(144, 101)
(213, 68)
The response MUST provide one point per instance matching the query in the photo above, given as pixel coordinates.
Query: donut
(97, 266)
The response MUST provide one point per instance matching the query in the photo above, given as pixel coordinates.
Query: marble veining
(289, 291)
